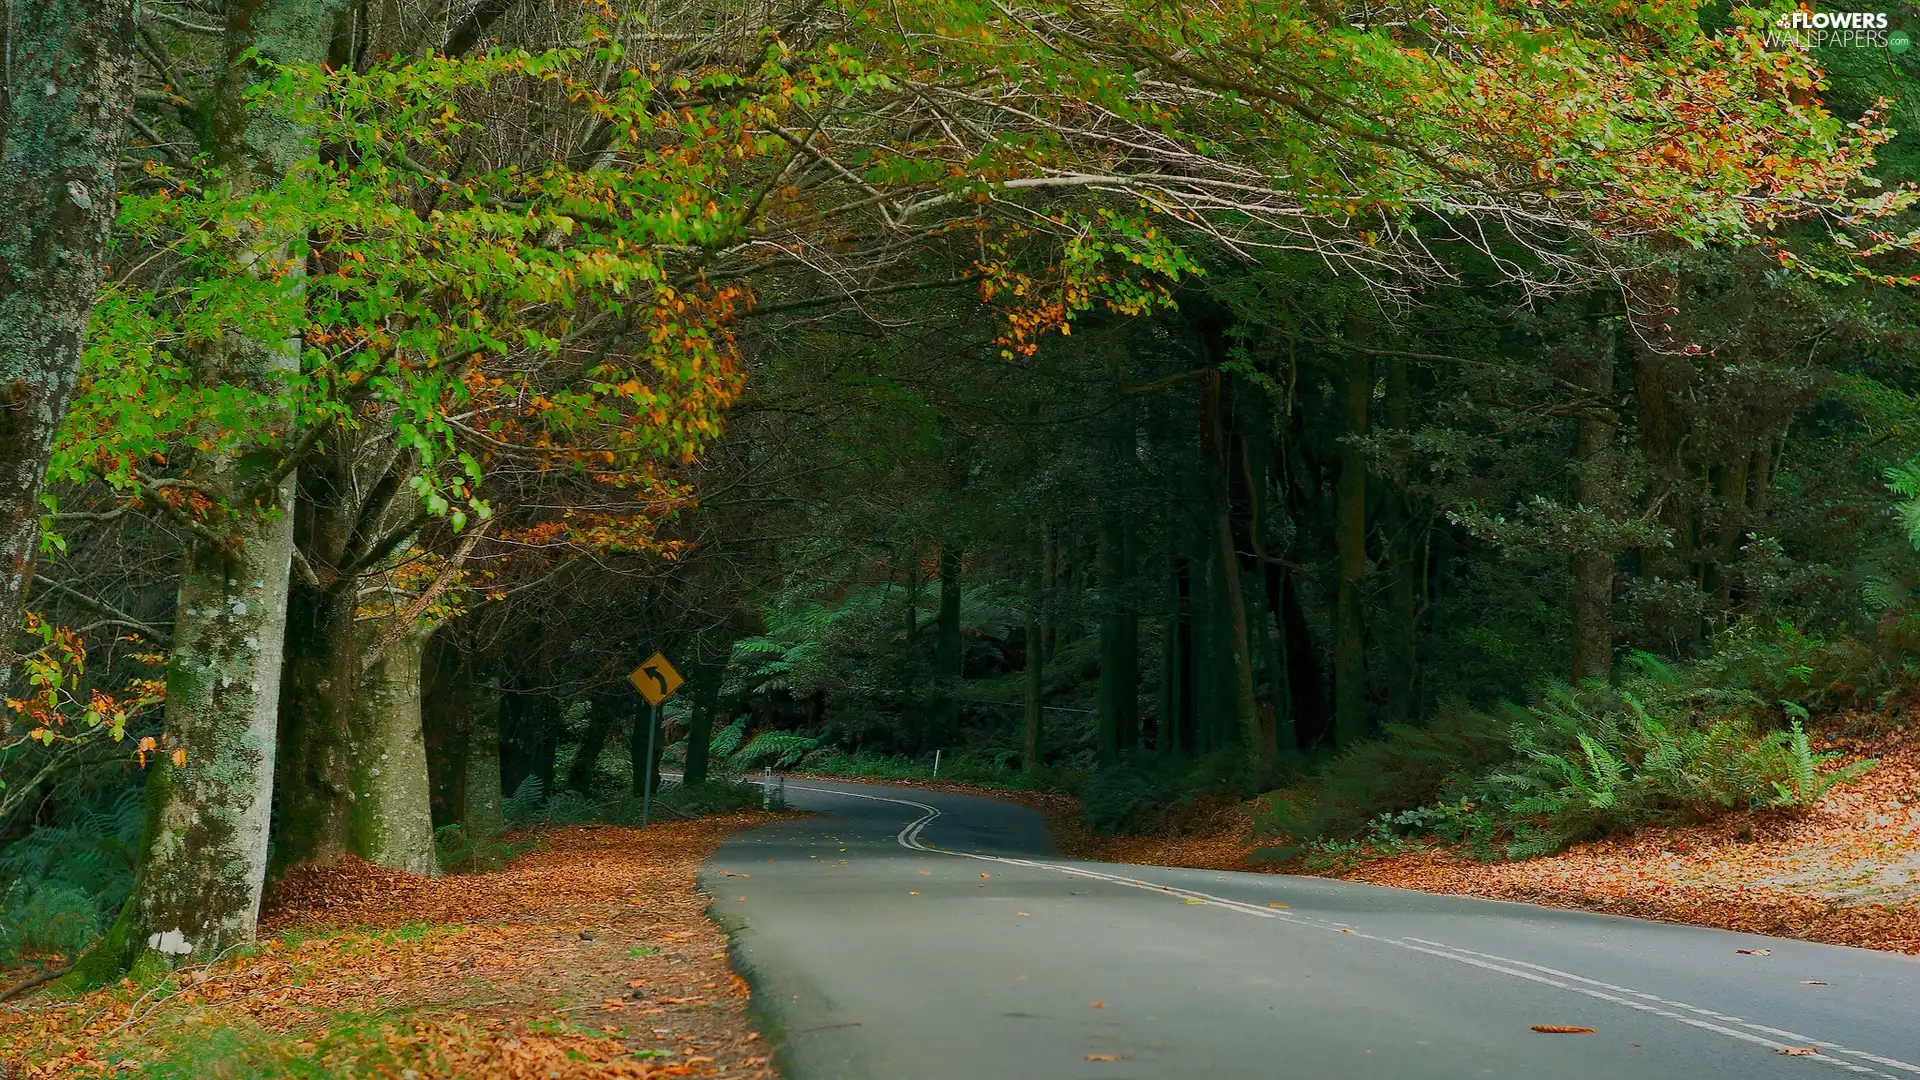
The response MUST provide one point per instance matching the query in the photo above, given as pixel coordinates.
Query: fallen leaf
(986, 875)
(1561, 1029)
(1344, 930)
(926, 873)
(1754, 952)
(1019, 913)
(1813, 982)
(1277, 904)
(1099, 1004)
(1195, 900)
(1105, 1057)
(1798, 1051)
(913, 892)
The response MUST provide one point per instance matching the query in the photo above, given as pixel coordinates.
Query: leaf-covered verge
(587, 957)
(1845, 871)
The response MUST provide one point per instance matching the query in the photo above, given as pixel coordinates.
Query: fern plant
(727, 740)
(61, 883)
(1805, 784)
(526, 805)
(778, 749)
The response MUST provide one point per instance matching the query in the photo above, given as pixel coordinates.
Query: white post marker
(936, 764)
(766, 790)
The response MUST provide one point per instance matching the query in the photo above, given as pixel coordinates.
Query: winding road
(914, 935)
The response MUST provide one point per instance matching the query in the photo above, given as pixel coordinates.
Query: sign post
(646, 785)
(657, 681)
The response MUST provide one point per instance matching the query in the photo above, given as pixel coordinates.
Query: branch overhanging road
(914, 935)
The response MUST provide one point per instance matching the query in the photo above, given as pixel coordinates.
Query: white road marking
(1638, 1000)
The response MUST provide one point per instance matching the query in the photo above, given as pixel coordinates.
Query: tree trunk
(480, 814)
(1730, 483)
(204, 858)
(946, 648)
(1268, 639)
(1273, 638)
(706, 699)
(314, 774)
(1048, 543)
(586, 759)
(392, 810)
(1231, 597)
(1593, 485)
(1036, 671)
(1402, 635)
(1119, 711)
(1350, 538)
(69, 90)
(1176, 663)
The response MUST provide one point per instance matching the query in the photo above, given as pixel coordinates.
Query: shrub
(1591, 763)
(1406, 769)
(1145, 794)
(1664, 746)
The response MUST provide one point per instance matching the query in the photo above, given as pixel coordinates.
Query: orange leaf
(1561, 1029)
(1105, 1057)
(1798, 1051)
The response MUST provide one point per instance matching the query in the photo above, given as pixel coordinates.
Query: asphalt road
(912, 935)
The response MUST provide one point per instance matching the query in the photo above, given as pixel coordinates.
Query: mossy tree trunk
(203, 860)
(392, 806)
(69, 91)
(204, 855)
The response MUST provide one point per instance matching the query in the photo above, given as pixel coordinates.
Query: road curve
(914, 935)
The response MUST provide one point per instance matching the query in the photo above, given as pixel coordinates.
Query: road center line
(1652, 1004)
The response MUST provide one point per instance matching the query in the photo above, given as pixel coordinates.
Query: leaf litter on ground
(529, 972)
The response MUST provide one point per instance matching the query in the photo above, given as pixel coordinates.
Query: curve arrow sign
(656, 679)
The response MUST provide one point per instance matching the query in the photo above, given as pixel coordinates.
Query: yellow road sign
(656, 679)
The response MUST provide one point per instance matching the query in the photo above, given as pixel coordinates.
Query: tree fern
(779, 749)
(727, 740)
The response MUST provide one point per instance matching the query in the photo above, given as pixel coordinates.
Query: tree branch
(101, 607)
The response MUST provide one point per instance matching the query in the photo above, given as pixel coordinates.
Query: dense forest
(1497, 423)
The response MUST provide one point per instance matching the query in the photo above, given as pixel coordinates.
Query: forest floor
(590, 956)
(1846, 872)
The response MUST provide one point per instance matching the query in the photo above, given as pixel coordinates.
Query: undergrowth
(62, 883)
(1661, 746)
(1148, 794)
(530, 809)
